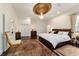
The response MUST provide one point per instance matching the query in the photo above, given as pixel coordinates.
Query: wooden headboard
(65, 30)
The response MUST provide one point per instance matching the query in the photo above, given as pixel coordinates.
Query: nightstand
(18, 35)
(75, 42)
(75, 39)
(33, 34)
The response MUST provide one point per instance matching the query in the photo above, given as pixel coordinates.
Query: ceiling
(25, 10)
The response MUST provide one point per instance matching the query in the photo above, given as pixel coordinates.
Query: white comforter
(54, 38)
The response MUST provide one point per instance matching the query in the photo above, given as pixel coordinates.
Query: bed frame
(49, 45)
(65, 30)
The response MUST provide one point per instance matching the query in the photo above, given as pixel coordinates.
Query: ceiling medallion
(41, 9)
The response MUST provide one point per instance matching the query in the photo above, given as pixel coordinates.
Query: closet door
(1, 34)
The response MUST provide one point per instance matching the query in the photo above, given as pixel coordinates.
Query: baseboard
(5, 52)
(1, 52)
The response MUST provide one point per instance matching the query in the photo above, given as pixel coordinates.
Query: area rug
(30, 48)
(68, 50)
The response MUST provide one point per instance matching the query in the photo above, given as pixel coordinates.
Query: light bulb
(58, 12)
(41, 16)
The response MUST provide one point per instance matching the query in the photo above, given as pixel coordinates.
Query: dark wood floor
(25, 37)
(24, 49)
(5, 53)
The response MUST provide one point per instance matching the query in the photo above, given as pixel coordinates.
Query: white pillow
(63, 33)
(60, 33)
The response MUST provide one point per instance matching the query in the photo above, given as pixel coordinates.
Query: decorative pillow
(55, 32)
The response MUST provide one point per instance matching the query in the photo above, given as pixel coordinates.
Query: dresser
(18, 35)
(33, 34)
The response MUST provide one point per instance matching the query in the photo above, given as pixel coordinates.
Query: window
(77, 24)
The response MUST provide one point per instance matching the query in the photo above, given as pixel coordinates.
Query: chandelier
(41, 8)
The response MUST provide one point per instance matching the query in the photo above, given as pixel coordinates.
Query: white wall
(40, 25)
(60, 22)
(10, 14)
(73, 21)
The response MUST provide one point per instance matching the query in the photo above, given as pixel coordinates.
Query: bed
(48, 39)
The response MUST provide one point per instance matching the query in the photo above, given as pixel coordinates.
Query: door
(25, 29)
(1, 34)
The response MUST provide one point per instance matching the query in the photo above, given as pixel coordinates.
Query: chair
(10, 41)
